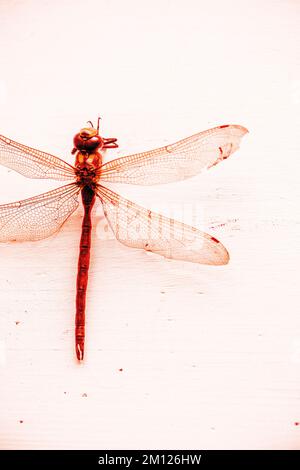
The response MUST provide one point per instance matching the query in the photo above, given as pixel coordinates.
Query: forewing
(137, 227)
(38, 217)
(178, 161)
(33, 163)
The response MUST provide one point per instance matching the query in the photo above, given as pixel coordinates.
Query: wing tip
(243, 129)
(225, 259)
(222, 260)
(222, 256)
(235, 126)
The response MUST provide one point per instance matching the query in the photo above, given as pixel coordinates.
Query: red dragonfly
(43, 215)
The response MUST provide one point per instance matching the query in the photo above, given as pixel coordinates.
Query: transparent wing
(137, 227)
(38, 217)
(33, 163)
(178, 161)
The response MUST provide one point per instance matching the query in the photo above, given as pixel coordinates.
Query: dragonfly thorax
(88, 160)
(87, 166)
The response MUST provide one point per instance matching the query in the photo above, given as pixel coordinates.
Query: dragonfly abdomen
(88, 200)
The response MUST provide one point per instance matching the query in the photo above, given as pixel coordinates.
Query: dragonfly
(41, 216)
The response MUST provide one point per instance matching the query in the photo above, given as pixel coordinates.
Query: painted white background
(210, 356)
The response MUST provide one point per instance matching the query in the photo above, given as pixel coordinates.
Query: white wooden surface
(177, 355)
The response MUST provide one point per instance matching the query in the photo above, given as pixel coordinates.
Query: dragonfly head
(88, 140)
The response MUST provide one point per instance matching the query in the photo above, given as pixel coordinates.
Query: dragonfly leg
(110, 143)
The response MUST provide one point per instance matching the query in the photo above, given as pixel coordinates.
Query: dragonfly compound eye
(83, 141)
